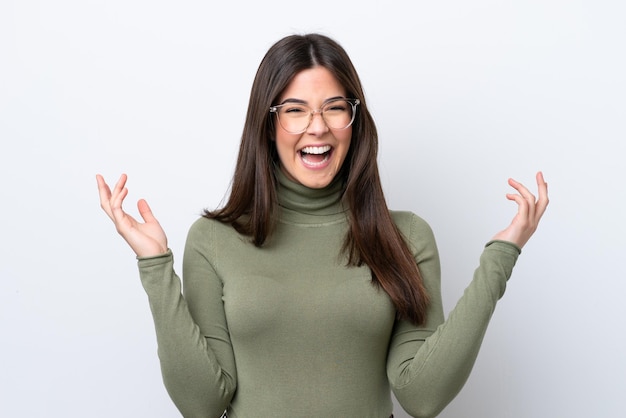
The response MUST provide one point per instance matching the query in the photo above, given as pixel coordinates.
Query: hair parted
(372, 239)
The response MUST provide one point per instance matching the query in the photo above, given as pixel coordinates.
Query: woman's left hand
(529, 212)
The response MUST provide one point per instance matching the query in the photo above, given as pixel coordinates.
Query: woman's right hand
(146, 239)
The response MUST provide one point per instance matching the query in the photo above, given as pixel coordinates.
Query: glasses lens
(295, 118)
(338, 114)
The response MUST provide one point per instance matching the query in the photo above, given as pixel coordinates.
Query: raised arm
(196, 358)
(428, 365)
(529, 212)
(146, 239)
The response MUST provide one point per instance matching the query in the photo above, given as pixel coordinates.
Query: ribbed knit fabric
(287, 330)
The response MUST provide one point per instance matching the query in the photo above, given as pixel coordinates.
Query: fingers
(523, 191)
(116, 204)
(542, 202)
(119, 188)
(103, 189)
(145, 211)
(105, 195)
(530, 208)
(111, 201)
(529, 212)
(523, 207)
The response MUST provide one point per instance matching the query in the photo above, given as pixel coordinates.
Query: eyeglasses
(295, 118)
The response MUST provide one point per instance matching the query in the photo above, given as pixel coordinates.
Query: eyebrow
(300, 101)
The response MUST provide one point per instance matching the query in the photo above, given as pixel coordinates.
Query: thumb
(145, 211)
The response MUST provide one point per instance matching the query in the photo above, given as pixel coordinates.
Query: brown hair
(373, 238)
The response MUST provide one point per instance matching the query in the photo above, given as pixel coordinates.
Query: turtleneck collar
(303, 204)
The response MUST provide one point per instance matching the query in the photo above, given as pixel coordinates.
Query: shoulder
(416, 231)
(208, 237)
(410, 224)
(203, 227)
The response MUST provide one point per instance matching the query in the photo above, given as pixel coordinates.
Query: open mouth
(316, 156)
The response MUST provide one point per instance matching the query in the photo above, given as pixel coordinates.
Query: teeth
(314, 163)
(316, 150)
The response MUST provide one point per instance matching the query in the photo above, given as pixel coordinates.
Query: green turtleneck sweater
(287, 330)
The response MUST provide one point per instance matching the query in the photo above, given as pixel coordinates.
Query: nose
(317, 126)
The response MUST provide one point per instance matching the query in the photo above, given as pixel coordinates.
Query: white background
(465, 94)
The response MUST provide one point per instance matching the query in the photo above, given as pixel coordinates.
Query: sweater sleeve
(197, 361)
(428, 365)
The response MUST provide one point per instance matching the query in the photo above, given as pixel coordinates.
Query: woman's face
(313, 158)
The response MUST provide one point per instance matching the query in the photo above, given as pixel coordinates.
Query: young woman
(304, 295)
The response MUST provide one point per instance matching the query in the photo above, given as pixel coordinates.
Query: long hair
(373, 238)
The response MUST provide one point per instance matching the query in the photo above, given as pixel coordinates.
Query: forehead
(312, 84)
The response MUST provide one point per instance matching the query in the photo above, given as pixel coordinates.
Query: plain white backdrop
(465, 95)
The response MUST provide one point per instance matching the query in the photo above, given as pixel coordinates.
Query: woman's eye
(294, 109)
(335, 108)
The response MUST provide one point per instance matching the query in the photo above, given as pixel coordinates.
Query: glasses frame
(353, 103)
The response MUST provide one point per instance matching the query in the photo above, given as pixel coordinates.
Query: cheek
(345, 139)
(285, 145)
